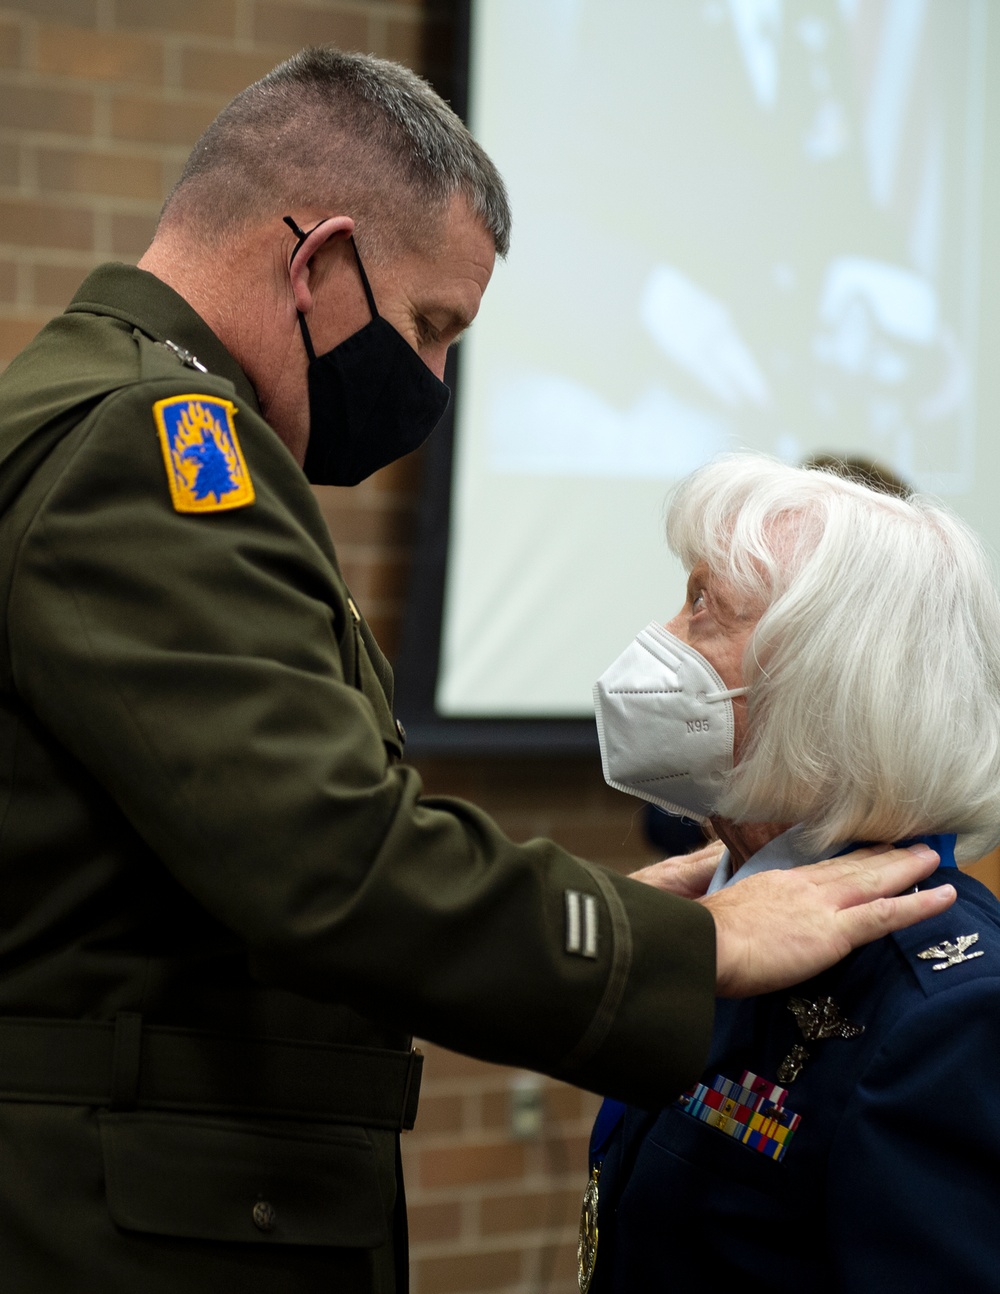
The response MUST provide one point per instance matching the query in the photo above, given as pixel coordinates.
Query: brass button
(402, 733)
(264, 1216)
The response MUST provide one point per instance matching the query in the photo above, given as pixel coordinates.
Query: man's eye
(426, 332)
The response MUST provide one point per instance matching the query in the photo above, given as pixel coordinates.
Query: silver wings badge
(950, 954)
(822, 1019)
(816, 1020)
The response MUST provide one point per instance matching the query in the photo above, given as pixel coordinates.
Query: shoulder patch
(206, 469)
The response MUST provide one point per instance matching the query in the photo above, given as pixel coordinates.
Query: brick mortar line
(553, 1120)
(22, 312)
(27, 78)
(91, 143)
(68, 200)
(173, 56)
(102, 233)
(476, 1204)
(572, 1189)
(474, 1085)
(29, 42)
(474, 1246)
(242, 45)
(243, 22)
(105, 14)
(434, 1143)
(483, 1192)
(56, 257)
(87, 146)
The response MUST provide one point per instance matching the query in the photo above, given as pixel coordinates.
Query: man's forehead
(453, 280)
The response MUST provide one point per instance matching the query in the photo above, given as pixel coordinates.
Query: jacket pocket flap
(217, 1179)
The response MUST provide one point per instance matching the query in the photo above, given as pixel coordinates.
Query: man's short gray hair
(348, 133)
(874, 671)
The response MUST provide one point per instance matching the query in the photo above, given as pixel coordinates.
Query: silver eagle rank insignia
(950, 954)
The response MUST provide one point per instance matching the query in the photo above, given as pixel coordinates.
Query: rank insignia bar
(206, 469)
(948, 954)
(751, 1111)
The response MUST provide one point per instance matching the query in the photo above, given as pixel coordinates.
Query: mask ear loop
(728, 695)
(364, 281)
(302, 235)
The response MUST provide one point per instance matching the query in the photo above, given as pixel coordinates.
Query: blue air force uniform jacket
(868, 1161)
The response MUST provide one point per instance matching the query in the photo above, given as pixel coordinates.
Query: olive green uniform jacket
(224, 904)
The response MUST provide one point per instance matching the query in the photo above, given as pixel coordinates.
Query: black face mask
(372, 399)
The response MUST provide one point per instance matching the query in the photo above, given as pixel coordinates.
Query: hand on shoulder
(778, 928)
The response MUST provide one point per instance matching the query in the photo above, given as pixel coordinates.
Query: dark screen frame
(417, 666)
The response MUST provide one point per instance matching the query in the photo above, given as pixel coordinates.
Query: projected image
(738, 223)
(841, 298)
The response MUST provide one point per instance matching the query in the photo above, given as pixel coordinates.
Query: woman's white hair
(874, 671)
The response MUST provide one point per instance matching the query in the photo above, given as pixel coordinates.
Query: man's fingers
(861, 924)
(875, 872)
(781, 927)
(712, 849)
(687, 875)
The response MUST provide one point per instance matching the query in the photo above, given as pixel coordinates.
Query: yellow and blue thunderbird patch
(205, 465)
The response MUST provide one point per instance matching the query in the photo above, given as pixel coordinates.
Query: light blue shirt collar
(787, 851)
(778, 855)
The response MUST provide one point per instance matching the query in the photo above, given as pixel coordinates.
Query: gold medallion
(586, 1249)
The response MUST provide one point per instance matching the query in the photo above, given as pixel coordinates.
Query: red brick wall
(100, 102)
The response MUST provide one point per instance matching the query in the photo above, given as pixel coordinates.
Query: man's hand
(687, 875)
(777, 928)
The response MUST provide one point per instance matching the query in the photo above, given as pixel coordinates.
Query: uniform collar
(787, 851)
(147, 303)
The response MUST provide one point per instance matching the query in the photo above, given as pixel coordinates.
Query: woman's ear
(301, 270)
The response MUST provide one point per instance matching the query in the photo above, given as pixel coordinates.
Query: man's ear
(300, 271)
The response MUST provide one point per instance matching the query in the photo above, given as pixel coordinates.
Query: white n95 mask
(665, 723)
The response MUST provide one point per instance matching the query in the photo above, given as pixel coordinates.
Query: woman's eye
(698, 601)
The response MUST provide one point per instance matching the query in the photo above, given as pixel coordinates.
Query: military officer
(226, 906)
(843, 1136)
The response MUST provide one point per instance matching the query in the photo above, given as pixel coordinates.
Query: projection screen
(753, 223)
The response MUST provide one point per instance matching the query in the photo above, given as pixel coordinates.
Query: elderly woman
(833, 678)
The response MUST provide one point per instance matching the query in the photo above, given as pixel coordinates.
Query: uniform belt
(126, 1064)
